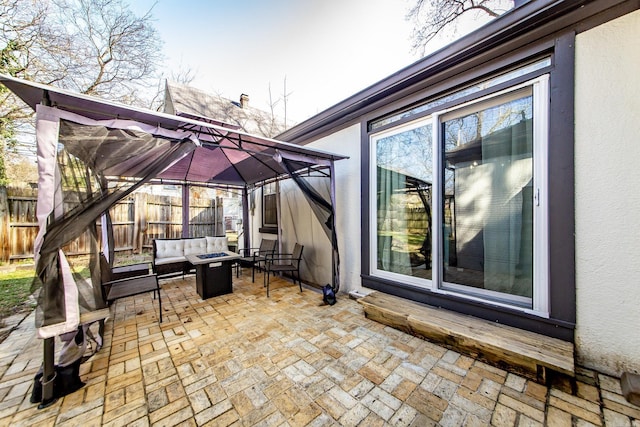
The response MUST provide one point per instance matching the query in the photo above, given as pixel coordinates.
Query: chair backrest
(297, 254)
(267, 245)
(105, 269)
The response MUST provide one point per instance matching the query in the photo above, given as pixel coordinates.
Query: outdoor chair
(127, 283)
(109, 273)
(281, 262)
(255, 257)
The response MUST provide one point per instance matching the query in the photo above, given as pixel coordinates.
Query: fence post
(219, 217)
(5, 245)
(185, 210)
(139, 221)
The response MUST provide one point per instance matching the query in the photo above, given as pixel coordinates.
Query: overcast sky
(328, 50)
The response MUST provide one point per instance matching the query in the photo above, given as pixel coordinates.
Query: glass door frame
(373, 203)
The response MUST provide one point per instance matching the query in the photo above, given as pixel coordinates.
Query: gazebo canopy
(225, 155)
(86, 143)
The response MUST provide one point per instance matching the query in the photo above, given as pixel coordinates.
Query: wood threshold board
(509, 348)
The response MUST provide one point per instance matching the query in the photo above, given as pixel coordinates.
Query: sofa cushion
(169, 248)
(216, 244)
(169, 260)
(195, 246)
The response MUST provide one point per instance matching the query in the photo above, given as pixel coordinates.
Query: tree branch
(434, 17)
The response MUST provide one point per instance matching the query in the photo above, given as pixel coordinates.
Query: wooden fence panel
(82, 244)
(22, 223)
(123, 220)
(5, 241)
(164, 218)
(137, 220)
(205, 217)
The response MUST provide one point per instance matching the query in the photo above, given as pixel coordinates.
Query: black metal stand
(213, 279)
(49, 374)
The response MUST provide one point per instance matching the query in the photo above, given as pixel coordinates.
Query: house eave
(551, 15)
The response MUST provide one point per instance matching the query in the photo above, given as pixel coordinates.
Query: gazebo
(93, 152)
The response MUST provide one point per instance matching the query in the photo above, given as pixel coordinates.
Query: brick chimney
(244, 100)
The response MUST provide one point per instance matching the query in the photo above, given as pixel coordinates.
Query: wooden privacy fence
(137, 220)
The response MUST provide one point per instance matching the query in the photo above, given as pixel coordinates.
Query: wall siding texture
(607, 178)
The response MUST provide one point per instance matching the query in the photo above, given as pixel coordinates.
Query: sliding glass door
(488, 197)
(458, 200)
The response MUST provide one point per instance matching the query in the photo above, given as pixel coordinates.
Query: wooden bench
(510, 348)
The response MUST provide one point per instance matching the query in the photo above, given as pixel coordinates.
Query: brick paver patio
(245, 359)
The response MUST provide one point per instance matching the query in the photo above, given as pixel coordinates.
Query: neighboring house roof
(187, 101)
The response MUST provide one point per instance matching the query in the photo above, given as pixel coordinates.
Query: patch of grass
(83, 271)
(14, 292)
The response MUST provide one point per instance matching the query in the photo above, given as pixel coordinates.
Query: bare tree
(285, 99)
(184, 75)
(272, 125)
(272, 109)
(431, 17)
(108, 51)
(21, 29)
(96, 47)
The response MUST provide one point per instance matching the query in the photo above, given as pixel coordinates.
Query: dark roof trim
(540, 17)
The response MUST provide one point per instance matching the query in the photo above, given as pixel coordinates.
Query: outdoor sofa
(169, 255)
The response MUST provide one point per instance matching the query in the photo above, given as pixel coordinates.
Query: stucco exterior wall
(607, 179)
(348, 202)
